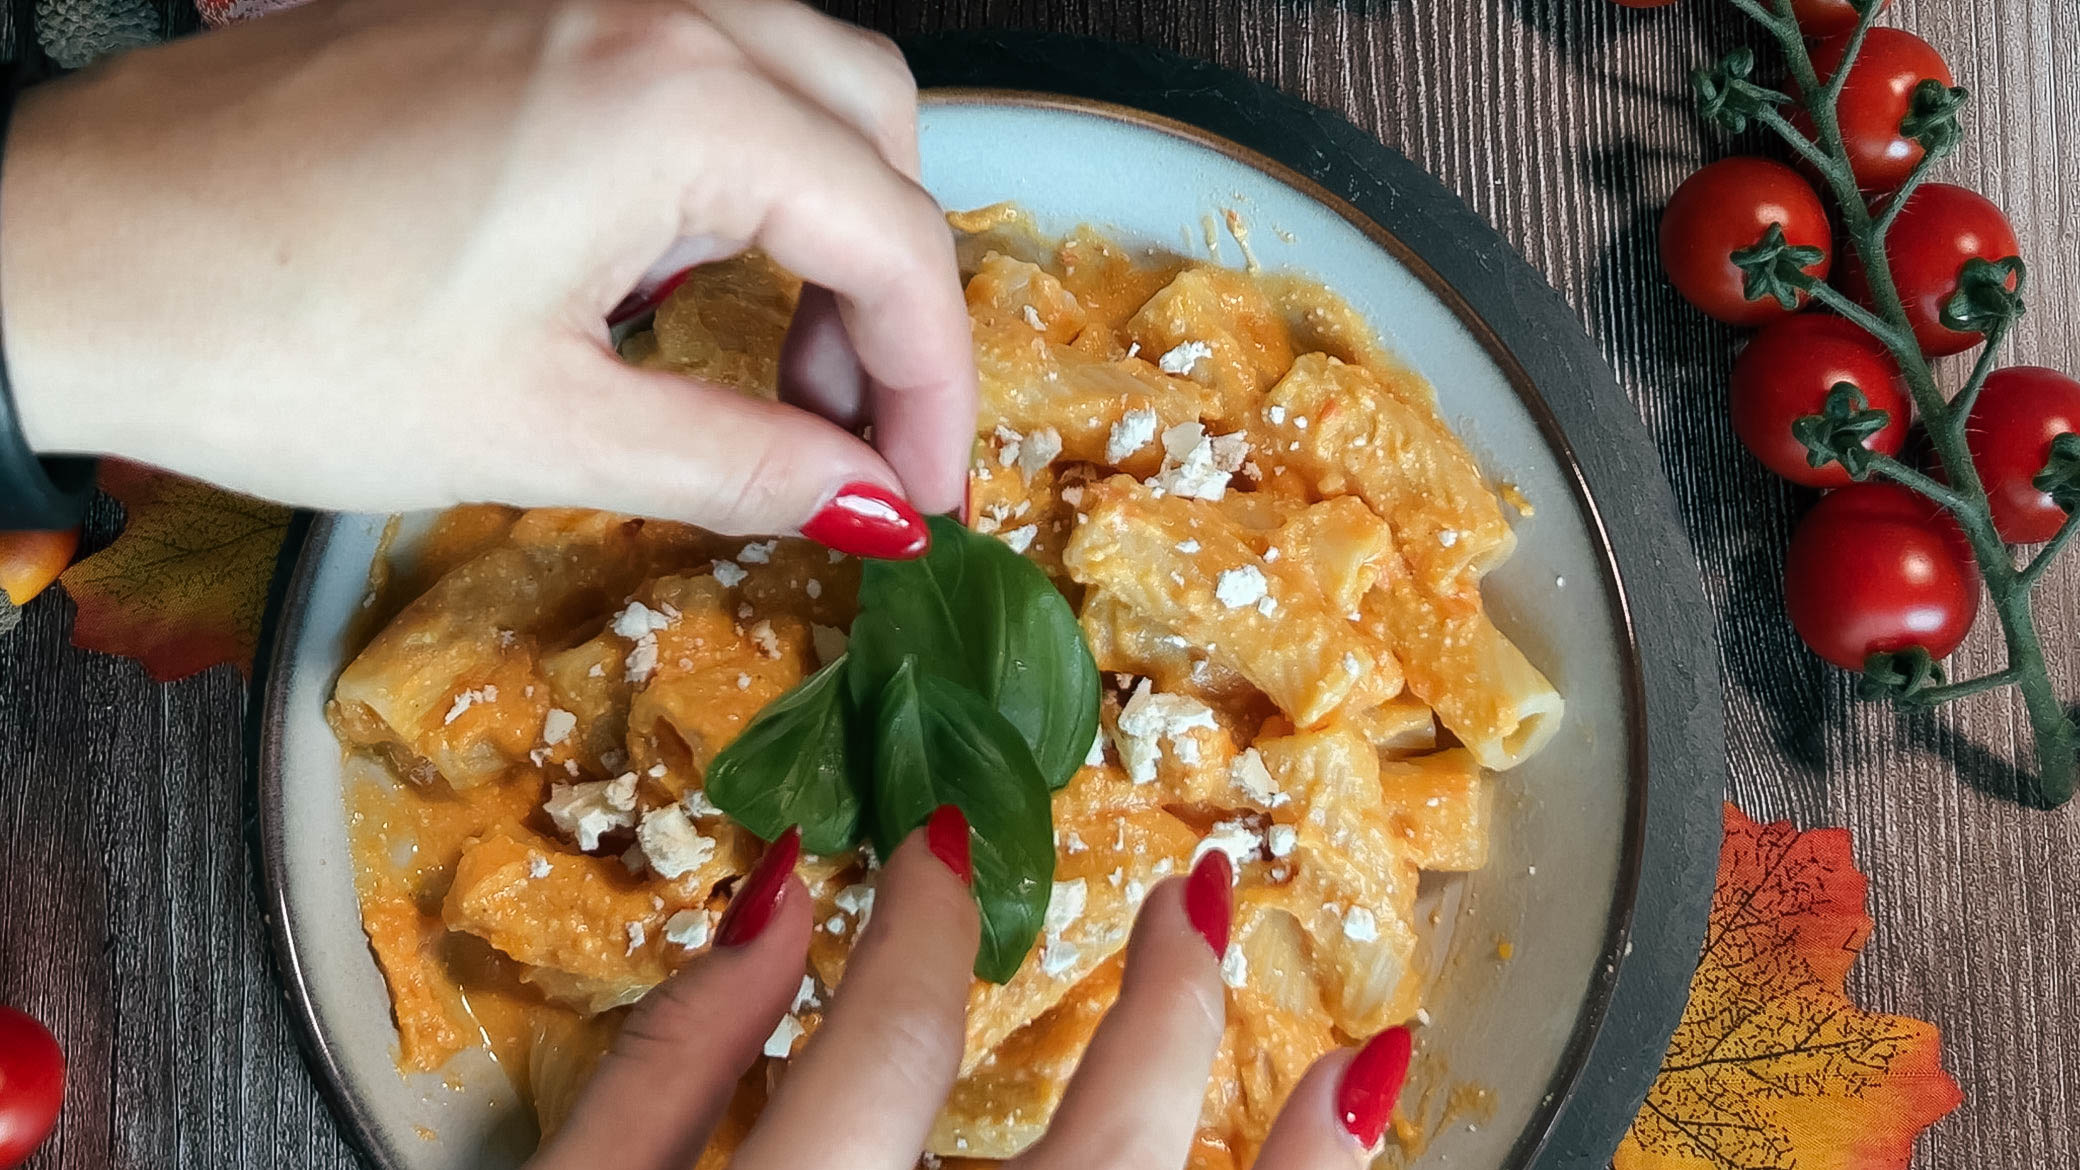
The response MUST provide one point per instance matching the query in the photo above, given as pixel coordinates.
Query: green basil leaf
(939, 743)
(973, 612)
(791, 767)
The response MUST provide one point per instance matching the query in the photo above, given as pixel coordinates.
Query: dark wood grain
(127, 917)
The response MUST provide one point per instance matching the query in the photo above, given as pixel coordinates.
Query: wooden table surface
(127, 913)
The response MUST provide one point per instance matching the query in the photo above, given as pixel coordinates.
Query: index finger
(831, 209)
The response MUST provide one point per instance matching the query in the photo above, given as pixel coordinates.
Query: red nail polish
(752, 906)
(1207, 901)
(1371, 1084)
(642, 301)
(946, 834)
(867, 520)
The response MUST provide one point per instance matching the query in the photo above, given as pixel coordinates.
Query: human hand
(358, 256)
(864, 1090)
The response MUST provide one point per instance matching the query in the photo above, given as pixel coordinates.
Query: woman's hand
(865, 1088)
(358, 256)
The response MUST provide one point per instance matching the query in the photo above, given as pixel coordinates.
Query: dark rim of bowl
(1676, 715)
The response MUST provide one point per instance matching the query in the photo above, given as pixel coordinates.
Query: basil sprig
(967, 682)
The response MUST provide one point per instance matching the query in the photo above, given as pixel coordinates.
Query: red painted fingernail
(1372, 1083)
(752, 906)
(1207, 901)
(867, 520)
(642, 301)
(946, 833)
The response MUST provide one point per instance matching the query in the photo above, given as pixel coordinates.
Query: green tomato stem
(2040, 563)
(1971, 686)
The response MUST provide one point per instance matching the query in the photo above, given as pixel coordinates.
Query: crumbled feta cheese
(1268, 606)
(1041, 448)
(1280, 839)
(688, 928)
(620, 793)
(857, 900)
(1135, 430)
(637, 936)
(537, 866)
(1272, 554)
(1021, 539)
(1351, 665)
(1448, 537)
(468, 699)
(671, 843)
(1147, 720)
(1359, 925)
(813, 588)
(557, 726)
(830, 643)
(1033, 319)
(729, 574)
(1058, 956)
(1183, 357)
(597, 671)
(763, 637)
(1197, 466)
(1423, 1017)
(639, 619)
(758, 552)
(743, 682)
(1096, 756)
(1066, 905)
(1241, 586)
(1187, 547)
(586, 812)
(785, 1033)
(697, 804)
(1234, 968)
(1234, 838)
(1300, 421)
(1247, 772)
(1276, 413)
(835, 924)
(1074, 843)
(805, 995)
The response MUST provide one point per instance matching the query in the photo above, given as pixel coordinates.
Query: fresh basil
(940, 743)
(792, 767)
(973, 612)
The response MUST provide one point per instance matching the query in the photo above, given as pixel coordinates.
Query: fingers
(877, 1072)
(603, 434)
(1339, 1112)
(687, 1044)
(821, 200)
(818, 370)
(1135, 1099)
(858, 75)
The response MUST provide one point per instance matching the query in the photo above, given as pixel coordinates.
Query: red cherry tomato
(1728, 206)
(1825, 18)
(2019, 412)
(1864, 575)
(1787, 372)
(32, 1084)
(1878, 94)
(1940, 228)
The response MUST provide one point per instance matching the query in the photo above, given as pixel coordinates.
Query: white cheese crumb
(1066, 905)
(468, 699)
(785, 1033)
(830, 643)
(597, 671)
(763, 637)
(1183, 357)
(1300, 421)
(743, 682)
(1423, 1017)
(557, 726)
(585, 812)
(1058, 956)
(1234, 968)
(637, 936)
(1241, 586)
(1033, 319)
(1272, 554)
(1187, 547)
(1041, 448)
(805, 995)
(1074, 843)
(758, 552)
(1021, 539)
(688, 928)
(1247, 772)
(1133, 348)
(538, 867)
(1268, 607)
(1095, 757)
(1147, 720)
(1448, 537)
(1359, 925)
(1280, 839)
(697, 804)
(639, 619)
(813, 588)
(1234, 838)
(729, 574)
(671, 843)
(1197, 466)
(857, 900)
(1135, 430)
(1276, 413)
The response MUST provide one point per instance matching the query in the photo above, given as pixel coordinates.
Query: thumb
(652, 443)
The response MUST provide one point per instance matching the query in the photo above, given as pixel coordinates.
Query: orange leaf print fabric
(1773, 1067)
(185, 586)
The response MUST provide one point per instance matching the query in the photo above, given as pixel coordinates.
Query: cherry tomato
(1864, 574)
(32, 1084)
(1728, 206)
(1787, 372)
(1878, 94)
(30, 561)
(1825, 18)
(1940, 228)
(2019, 412)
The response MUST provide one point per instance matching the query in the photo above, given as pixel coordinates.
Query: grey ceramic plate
(1606, 840)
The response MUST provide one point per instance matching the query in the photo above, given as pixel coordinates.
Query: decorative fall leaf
(1772, 1067)
(185, 585)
